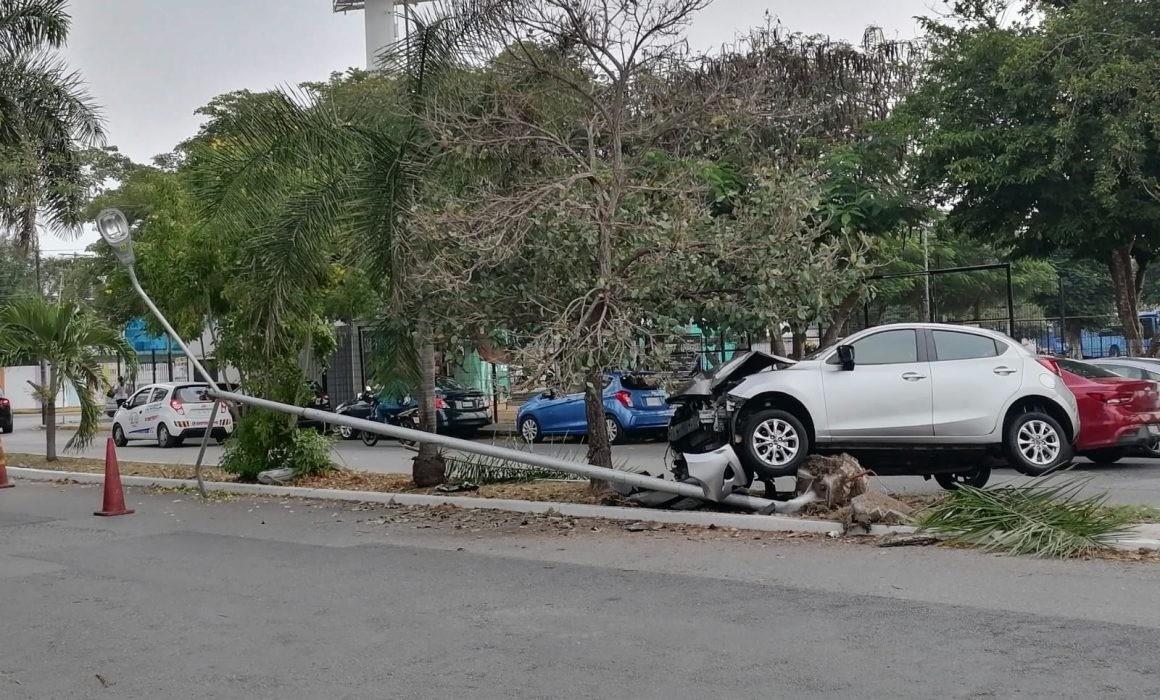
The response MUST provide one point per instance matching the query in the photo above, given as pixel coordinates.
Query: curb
(740, 521)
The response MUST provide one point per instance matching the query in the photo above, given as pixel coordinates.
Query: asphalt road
(1133, 481)
(253, 598)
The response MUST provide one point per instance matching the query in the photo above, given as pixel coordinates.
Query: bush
(270, 440)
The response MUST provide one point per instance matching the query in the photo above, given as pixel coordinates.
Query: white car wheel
(775, 442)
(1039, 443)
(1036, 444)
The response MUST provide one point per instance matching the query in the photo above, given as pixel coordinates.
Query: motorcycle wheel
(369, 439)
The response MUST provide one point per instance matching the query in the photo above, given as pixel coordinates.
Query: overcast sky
(151, 63)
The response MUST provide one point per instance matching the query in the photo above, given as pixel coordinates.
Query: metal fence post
(1010, 304)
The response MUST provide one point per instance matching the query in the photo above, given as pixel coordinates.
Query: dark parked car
(5, 414)
(459, 410)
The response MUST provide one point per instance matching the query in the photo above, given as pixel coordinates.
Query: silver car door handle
(1004, 370)
(913, 376)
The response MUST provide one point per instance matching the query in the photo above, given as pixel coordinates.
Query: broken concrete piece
(874, 507)
(836, 480)
(276, 477)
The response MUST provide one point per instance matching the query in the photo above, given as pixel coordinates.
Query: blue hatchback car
(634, 402)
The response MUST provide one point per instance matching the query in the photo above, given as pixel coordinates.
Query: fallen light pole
(589, 471)
(114, 229)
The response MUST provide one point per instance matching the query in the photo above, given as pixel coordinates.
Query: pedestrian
(120, 392)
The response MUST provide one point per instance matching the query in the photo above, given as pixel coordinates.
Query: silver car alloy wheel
(1038, 442)
(775, 442)
(529, 430)
(345, 432)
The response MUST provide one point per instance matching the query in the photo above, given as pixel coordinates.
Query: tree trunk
(841, 315)
(1126, 297)
(799, 341)
(50, 416)
(599, 448)
(776, 341)
(1073, 337)
(428, 468)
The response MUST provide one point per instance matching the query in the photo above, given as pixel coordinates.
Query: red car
(1116, 414)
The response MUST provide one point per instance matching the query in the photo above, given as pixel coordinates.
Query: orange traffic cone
(114, 501)
(4, 482)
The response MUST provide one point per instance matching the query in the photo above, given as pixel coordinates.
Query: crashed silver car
(925, 399)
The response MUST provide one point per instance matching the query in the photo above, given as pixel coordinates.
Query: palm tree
(46, 118)
(308, 177)
(73, 341)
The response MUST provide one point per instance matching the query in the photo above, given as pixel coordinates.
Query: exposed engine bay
(703, 421)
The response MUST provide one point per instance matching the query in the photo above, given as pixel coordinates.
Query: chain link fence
(1057, 321)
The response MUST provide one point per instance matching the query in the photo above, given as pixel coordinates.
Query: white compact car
(927, 399)
(169, 413)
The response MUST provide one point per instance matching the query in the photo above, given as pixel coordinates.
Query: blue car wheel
(616, 434)
(529, 429)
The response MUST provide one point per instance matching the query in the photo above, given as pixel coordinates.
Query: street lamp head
(114, 228)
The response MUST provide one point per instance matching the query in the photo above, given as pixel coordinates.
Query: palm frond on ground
(1048, 518)
(482, 469)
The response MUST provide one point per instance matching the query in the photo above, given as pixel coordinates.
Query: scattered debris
(457, 487)
(276, 477)
(638, 526)
(908, 541)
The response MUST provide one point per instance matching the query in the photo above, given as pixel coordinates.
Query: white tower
(379, 20)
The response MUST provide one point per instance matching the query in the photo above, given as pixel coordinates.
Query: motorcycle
(363, 406)
(399, 413)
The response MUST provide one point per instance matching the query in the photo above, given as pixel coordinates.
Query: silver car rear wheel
(1039, 443)
(1036, 444)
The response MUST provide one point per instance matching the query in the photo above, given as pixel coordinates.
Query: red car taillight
(1112, 398)
(440, 404)
(624, 397)
(1050, 364)
(177, 406)
(3, 403)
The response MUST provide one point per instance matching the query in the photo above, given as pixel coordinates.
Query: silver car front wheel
(775, 442)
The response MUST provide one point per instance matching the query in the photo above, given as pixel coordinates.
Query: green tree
(1042, 134)
(46, 118)
(322, 178)
(17, 277)
(72, 341)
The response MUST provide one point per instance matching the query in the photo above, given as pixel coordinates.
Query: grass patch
(1135, 515)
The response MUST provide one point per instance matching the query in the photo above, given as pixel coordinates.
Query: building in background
(380, 22)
